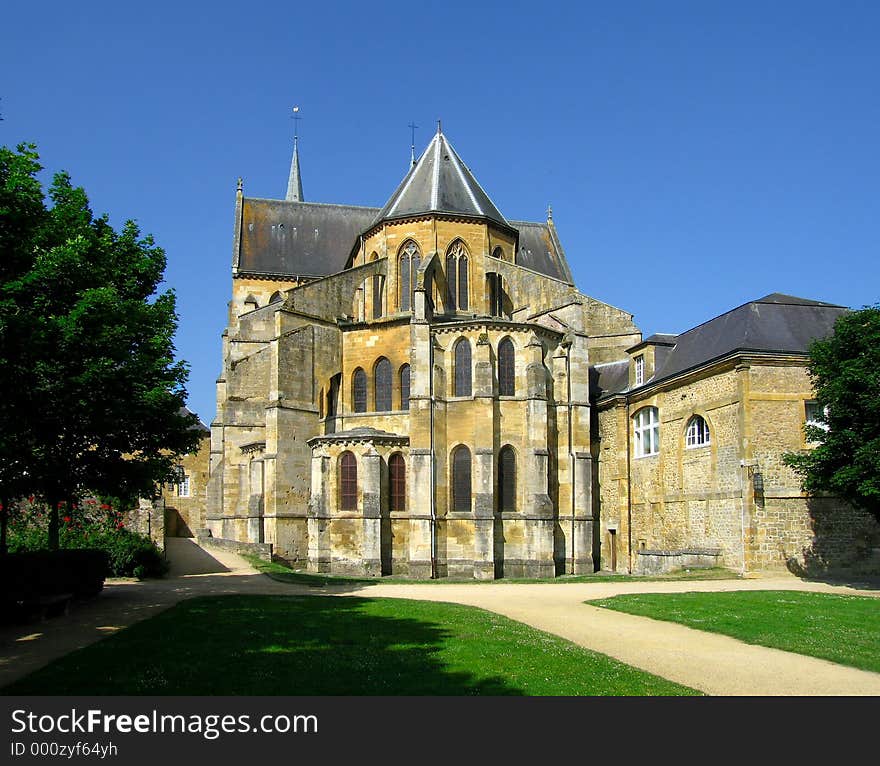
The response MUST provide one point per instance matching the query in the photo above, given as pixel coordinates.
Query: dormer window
(639, 363)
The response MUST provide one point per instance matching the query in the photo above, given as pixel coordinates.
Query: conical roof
(440, 183)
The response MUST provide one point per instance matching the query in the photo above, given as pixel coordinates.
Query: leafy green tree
(845, 371)
(86, 347)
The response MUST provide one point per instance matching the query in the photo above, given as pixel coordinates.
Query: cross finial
(412, 126)
(296, 118)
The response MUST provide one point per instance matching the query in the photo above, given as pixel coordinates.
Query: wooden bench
(47, 606)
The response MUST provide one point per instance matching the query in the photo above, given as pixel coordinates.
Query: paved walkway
(709, 662)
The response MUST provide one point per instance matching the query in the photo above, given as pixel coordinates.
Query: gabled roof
(776, 323)
(440, 183)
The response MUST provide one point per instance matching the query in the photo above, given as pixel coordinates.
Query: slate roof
(440, 183)
(540, 250)
(776, 323)
(305, 239)
(292, 238)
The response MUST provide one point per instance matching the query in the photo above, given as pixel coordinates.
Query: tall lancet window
(408, 272)
(457, 294)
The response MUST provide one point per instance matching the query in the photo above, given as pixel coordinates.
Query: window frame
(411, 255)
(359, 386)
(646, 422)
(639, 370)
(396, 482)
(507, 480)
(459, 367)
(382, 387)
(506, 368)
(697, 432)
(459, 479)
(347, 481)
(405, 370)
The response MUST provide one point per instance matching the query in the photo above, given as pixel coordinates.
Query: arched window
(461, 479)
(377, 290)
(348, 481)
(462, 380)
(457, 277)
(463, 302)
(250, 303)
(397, 482)
(498, 253)
(507, 479)
(404, 387)
(382, 376)
(495, 294)
(359, 391)
(646, 431)
(697, 434)
(409, 262)
(506, 368)
(276, 296)
(451, 281)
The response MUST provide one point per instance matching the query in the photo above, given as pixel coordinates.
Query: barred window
(404, 387)
(397, 482)
(382, 376)
(462, 380)
(697, 434)
(646, 431)
(359, 391)
(506, 368)
(461, 479)
(507, 479)
(347, 482)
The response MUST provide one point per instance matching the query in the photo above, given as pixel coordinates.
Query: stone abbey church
(422, 390)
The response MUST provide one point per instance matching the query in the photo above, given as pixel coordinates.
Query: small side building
(692, 432)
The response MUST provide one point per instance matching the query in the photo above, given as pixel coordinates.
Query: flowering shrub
(90, 524)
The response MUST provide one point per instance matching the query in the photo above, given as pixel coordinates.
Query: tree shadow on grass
(270, 645)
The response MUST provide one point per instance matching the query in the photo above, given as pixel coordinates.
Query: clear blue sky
(696, 154)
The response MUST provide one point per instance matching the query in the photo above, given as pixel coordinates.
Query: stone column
(583, 513)
(420, 474)
(319, 520)
(255, 502)
(539, 510)
(484, 461)
(371, 483)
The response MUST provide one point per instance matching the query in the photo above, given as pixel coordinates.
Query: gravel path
(712, 663)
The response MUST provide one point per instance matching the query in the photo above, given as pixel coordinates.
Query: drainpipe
(629, 502)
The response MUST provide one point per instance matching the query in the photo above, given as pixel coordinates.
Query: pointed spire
(294, 183)
(549, 213)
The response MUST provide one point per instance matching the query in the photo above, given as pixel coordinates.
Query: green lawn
(325, 645)
(843, 629)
